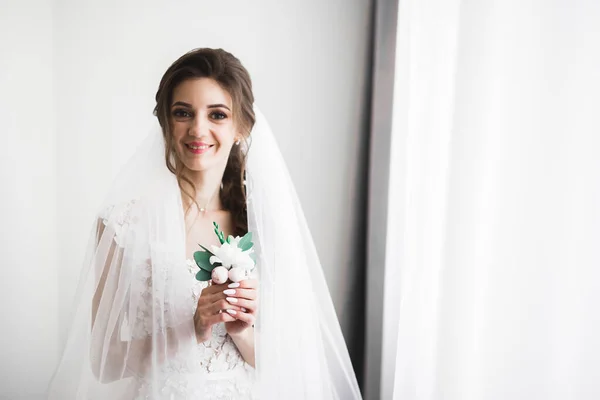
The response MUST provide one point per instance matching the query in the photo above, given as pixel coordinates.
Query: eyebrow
(181, 103)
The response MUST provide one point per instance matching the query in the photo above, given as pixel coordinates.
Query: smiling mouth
(199, 149)
(204, 146)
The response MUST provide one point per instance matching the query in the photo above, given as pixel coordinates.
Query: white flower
(237, 274)
(219, 275)
(230, 255)
(234, 240)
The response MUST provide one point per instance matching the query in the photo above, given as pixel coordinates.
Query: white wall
(28, 176)
(309, 63)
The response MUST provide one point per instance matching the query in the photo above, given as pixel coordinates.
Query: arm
(244, 295)
(238, 322)
(112, 358)
(117, 353)
(244, 341)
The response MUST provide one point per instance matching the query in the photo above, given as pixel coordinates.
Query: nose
(198, 126)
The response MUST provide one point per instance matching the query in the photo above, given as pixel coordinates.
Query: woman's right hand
(212, 309)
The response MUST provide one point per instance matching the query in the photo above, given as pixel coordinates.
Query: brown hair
(230, 74)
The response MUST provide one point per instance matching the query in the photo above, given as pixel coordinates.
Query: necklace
(203, 209)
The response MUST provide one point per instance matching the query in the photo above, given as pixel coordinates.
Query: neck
(208, 186)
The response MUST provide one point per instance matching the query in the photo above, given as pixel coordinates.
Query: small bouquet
(233, 260)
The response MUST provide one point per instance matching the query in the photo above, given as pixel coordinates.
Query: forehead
(201, 92)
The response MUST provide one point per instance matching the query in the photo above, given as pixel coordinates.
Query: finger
(245, 284)
(251, 305)
(248, 318)
(209, 298)
(220, 305)
(212, 289)
(223, 317)
(206, 321)
(249, 294)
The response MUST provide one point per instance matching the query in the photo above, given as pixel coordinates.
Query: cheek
(178, 133)
(225, 139)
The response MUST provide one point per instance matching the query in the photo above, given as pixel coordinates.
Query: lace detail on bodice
(211, 370)
(163, 295)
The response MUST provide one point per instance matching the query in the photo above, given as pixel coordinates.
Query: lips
(198, 147)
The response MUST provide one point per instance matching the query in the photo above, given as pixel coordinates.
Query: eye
(181, 113)
(218, 115)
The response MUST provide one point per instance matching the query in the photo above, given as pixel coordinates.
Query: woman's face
(202, 124)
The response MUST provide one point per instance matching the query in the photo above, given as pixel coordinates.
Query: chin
(198, 167)
(202, 165)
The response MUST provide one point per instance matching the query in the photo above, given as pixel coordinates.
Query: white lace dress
(213, 370)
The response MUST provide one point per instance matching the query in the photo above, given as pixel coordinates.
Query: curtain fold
(492, 267)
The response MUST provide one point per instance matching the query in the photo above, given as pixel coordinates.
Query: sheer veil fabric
(134, 315)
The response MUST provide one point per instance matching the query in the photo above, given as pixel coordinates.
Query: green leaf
(229, 239)
(219, 233)
(207, 250)
(203, 275)
(202, 260)
(253, 257)
(246, 242)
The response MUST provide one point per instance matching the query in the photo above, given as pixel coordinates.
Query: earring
(237, 143)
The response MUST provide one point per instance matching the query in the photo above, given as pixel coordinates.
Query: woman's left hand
(243, 294)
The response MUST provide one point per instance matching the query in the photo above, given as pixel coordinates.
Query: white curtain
(493, 260)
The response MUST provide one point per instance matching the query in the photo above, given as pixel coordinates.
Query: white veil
(121, 333)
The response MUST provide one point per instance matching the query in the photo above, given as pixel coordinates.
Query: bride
(143, 326)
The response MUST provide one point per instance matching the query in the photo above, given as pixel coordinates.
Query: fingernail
(234, 285)
(232, 312)
(232, 299)
(243, 309)
(229, 291)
